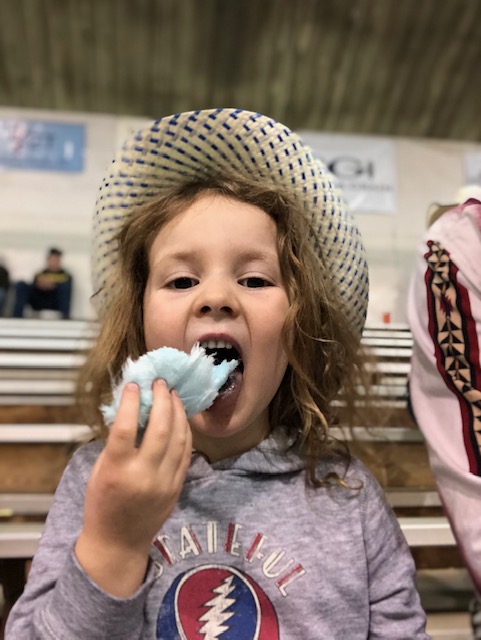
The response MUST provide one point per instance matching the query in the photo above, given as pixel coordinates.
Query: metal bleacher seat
(39, 359)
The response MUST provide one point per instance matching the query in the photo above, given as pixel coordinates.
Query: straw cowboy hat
(191, 145)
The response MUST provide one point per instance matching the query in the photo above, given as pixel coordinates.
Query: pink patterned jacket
(444, 312)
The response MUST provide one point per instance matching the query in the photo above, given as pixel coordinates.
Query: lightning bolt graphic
(217, 615)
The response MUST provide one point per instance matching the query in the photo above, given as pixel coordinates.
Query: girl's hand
(132, 491)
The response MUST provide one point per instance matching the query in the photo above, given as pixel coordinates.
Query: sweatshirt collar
(275, 455)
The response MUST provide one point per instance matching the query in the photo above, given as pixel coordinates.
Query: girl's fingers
(159, 427)
(184, 438)
(121, 440)
(168, 432)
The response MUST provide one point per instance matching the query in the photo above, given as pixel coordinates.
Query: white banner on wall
(472, 167)
(364, 166)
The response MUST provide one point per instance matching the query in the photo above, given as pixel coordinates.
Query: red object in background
(386, 317)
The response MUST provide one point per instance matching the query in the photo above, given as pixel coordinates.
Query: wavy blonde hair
(325, 366)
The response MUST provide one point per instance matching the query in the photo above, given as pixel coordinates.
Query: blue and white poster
(41, 145)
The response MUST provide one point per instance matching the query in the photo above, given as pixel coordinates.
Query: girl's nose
(217, 299)
(212, 308)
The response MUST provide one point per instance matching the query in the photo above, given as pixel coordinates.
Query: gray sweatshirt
(249, 553)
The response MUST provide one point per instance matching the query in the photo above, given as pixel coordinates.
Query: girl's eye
(255, 282)
(182, 283)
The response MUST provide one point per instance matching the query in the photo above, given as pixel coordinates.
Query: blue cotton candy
(194, 376)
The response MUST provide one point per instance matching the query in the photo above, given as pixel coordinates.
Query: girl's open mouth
(222, 350)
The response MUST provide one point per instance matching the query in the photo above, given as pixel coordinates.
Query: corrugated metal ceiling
(390, 67)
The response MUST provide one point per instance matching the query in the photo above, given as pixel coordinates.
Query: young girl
(246, 520)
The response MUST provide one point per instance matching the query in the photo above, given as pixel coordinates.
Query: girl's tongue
(229, 392)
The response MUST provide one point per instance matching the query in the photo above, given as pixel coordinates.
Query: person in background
(51, 289)
(444, 313)
(4, 286)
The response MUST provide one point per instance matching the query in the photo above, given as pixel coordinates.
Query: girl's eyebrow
(257, 255)
(174, 257)
(193, 255)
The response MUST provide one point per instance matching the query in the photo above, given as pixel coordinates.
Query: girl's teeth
(216, 344)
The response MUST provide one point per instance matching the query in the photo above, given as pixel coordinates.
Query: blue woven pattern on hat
(200, 143)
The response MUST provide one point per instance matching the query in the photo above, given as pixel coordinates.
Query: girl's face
(214, 278)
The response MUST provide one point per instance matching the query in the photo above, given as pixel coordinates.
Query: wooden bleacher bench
(39, 429)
